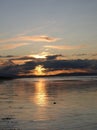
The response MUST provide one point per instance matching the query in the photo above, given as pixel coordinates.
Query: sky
(38, 34)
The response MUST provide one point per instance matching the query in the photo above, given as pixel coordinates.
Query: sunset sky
(46, 37)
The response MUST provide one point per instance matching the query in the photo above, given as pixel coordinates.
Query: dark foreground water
(62, 103)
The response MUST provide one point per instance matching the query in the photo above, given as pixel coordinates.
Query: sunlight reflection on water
(40, 97)
(28, 104)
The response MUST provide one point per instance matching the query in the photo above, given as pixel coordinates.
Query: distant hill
(33, 76)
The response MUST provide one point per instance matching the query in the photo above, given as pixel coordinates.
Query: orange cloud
(41, 38)
(20, 62)
(11, 46)
(1, 62)
(55, 72)
(63, 47)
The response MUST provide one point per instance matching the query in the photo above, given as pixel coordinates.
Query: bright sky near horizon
(67, 27)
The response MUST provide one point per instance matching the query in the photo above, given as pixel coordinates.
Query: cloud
(66, 64)
(40, 38)
(69, 66)
(1, 62)
(68, 71)
(83, 54)
(94, 55)
(22, 59)
(35, 58)
(53, 57)
(52, 66)
(11, 46)
(7, 56)
(64, 47)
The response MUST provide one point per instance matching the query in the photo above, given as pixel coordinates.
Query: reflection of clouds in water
(40, 96)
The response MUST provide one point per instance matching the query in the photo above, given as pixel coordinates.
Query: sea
(51, 103)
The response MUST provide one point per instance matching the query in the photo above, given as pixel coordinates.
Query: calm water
(62, 103)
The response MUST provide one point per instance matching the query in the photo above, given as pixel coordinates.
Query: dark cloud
(24, 58)
(29, 65)
(51, 63)
(10, 70)
(69, 64)
(8, 56)
(53, 57)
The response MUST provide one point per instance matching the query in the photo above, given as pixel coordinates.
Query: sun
(38, 56)
(39, 70)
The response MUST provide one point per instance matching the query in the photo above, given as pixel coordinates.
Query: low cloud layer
(52, 65)
(53, 57)
(64, 47)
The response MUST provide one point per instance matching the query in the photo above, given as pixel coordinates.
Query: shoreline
(31, 76)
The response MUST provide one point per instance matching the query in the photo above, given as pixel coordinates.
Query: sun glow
(38, 56)
(39, 70)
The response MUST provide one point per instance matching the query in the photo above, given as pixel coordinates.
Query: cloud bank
(52, 65)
